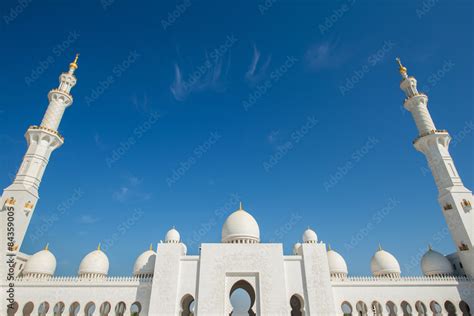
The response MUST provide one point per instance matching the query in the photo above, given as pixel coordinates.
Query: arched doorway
(187, 305)
(297, 305)
(242, 299)
(12, 309)
(450, 308)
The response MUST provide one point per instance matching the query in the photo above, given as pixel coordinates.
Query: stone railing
(64, 280)
(448, 279)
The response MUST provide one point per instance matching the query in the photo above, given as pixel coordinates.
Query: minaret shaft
(20, 198)
(455, 199)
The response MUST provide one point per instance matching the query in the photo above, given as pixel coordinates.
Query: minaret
(20, 198)
(455, 199)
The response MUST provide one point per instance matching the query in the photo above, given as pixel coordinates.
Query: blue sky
(181, 110)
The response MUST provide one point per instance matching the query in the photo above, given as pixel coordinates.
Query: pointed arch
(297, 305)
(243, 285)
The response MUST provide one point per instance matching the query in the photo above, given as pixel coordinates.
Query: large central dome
(240, 227)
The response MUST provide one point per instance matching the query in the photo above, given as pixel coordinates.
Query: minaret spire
(42, 140)
(454, 198)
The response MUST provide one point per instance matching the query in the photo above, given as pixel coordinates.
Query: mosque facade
(312, 280)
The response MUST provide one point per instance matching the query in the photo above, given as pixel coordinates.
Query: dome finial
(98, 247)
(429, 247)
(74, 63)
(380, 247)
(329, 247)
(47, 246)
(402, 69)
(151, 246)
(240, 206)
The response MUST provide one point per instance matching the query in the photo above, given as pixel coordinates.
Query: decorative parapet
(361, 280)
(78, 281)
(52, 131)
(433, 131)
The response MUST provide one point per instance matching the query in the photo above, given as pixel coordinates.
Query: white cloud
(255, 73)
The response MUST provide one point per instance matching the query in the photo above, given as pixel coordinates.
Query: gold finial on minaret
(98, 247)
(402, 69)
(74, 63)
(47, 246)
(151, 246)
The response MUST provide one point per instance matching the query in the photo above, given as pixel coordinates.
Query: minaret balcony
(48, 130)
(60, 96)
(434, 131)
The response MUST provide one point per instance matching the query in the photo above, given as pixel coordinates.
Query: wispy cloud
(98, 142)
(210, 76)
(88, 219)
(130, 189)
(141, 104)
(255, 73)
(325, 55)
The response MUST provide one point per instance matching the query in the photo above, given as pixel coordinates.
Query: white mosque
(313, 280)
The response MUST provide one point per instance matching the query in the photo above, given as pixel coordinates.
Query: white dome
(172, 236)
(240, 227)
(309, 236)
(94, 264)
(145, 263)
(434, 263)
(384, 263)
(337, 264)
(41, 263)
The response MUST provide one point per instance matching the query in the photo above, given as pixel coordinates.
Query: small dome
(297, 249)
(42, 263)
(337, 264)
(172, 236)
(434, 263)
(309, 236)
(384, 263)
(240, 227)
(145, 264)
(94, 264)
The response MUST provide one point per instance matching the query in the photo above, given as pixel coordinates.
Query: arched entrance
(297, 305)
(242, 299)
